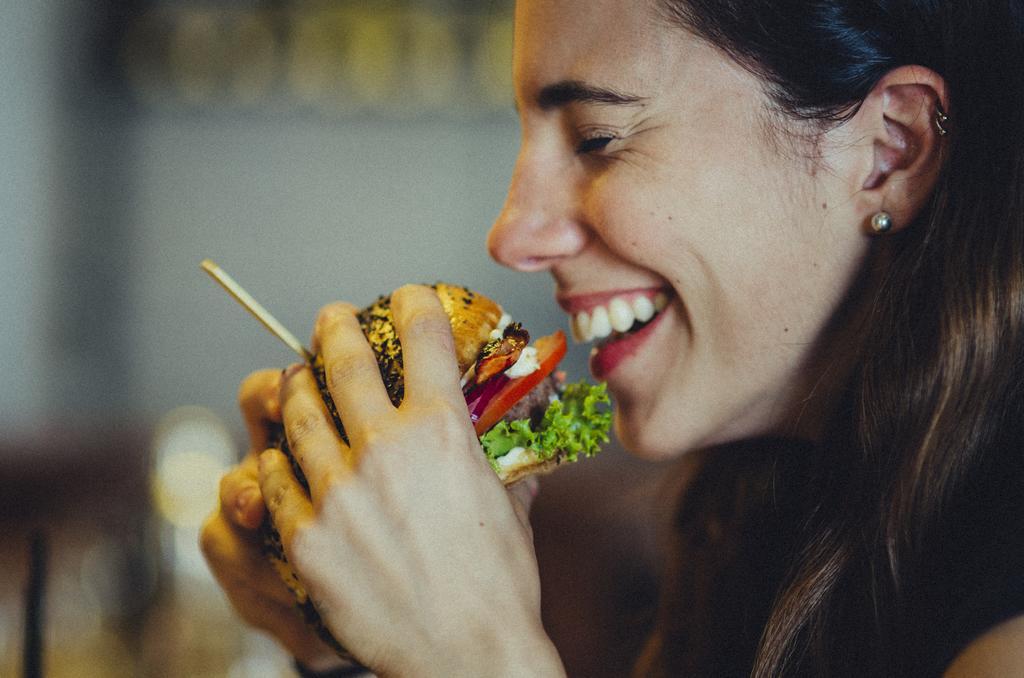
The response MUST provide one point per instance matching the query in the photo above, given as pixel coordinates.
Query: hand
(231, 543)
(417, 558)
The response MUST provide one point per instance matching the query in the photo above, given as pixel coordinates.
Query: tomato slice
(550, 351)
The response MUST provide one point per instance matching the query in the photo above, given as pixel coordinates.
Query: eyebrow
(567, 92)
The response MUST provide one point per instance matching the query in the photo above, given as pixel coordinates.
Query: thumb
(523, 492)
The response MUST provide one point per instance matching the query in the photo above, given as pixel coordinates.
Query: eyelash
(593, 144)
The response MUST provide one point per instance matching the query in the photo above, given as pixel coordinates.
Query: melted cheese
(526, 364)
(516, 458)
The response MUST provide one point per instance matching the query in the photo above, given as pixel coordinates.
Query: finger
(240, 496)
(258, 400)
(431, 369)
(237, 560)
(312, 436)
(284, 622)
(350, 368)
(289, 507)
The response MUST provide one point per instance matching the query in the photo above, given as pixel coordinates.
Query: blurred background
(316, 150)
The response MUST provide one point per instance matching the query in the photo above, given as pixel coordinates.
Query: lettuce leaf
(577, 422)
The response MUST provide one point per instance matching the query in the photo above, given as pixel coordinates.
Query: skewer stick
(254, 307)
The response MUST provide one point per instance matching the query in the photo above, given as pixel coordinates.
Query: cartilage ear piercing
(941, 120)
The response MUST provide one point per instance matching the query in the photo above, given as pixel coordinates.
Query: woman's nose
(540, 224)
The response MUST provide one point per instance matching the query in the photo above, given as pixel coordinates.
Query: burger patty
(535, 403)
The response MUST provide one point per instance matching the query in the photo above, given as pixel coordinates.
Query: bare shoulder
(999, 652)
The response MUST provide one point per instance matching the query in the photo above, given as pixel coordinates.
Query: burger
(528, 420)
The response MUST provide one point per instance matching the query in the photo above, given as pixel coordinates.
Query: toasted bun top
(473, 316)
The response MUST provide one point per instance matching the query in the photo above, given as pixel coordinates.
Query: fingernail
(292, 370)
(245, 499)
(533, 485)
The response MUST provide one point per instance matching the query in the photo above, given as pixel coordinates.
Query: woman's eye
(593, 144)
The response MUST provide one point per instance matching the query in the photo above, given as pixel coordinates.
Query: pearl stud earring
(881, 222)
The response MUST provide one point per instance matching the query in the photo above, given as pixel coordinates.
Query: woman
(831, 194)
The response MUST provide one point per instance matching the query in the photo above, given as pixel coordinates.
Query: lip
(575, 303)
(604, 360)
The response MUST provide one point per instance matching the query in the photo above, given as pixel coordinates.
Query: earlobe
(904, 116)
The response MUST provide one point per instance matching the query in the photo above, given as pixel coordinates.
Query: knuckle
(256, 386)
(300, 536)
(330, 480)
(233, 485)
(259, 401)
(294, 536)
(368, 438)
(347, 369)
(440, 420)
(331, 313)
(447, 416)
(209, 537)
(278, 498)
(302, 427)
(428, 324)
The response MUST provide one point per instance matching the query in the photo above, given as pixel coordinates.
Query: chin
(649, 440)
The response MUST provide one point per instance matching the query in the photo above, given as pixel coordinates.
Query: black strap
(349, 671)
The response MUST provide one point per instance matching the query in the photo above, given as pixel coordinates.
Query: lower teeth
(615, 336)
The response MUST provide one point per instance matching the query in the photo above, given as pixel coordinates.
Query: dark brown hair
(923, 459)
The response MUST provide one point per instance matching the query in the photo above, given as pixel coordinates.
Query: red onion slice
(479, 397)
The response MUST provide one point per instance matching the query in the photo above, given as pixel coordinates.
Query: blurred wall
(131, 152)
(317, 150)
(28, 126)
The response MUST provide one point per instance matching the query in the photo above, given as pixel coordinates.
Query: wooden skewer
(254, 307)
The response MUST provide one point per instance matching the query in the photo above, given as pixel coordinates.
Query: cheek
(638, 220)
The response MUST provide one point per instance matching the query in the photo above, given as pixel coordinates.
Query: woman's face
(647, 166)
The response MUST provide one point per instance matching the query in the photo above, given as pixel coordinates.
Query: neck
(837, 352)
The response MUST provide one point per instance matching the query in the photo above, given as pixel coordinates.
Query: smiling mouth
(620, 317)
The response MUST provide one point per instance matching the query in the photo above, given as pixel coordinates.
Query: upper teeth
(619, 315)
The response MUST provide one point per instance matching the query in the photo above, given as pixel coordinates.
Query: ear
(899, 118)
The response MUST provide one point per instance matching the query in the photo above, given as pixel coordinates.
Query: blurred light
(119, 578)
(493, 62)
(185, 487)
(192, 449)
(10, 628)
(252, 56)
(433, 61)
(196, 55)
(80, 613)
(188, 559)
(144, 57)
(314, 59)
(76, 658)
(337, 58)
(96, 591)
(372, 65)
(262, 657)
